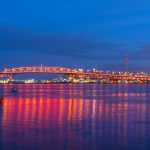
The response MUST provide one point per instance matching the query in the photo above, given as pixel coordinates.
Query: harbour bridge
(9, 73)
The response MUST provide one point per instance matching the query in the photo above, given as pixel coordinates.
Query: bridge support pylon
(142, 82)
(70, 78)
(10, 78)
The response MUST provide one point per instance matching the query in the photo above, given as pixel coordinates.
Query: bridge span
(9, 73)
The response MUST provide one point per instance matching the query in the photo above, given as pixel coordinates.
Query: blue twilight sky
(76, 34)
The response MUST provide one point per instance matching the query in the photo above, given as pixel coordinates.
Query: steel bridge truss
(9, 73)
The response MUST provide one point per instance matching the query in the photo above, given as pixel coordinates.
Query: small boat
(14, 90)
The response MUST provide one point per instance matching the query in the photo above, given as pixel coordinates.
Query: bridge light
(5, 69)
(81, 70)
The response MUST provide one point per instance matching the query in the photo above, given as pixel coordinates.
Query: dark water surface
(75, 117)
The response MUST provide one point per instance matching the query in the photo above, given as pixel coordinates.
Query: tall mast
(126, 62)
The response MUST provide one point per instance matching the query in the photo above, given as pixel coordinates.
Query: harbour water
(75, 116)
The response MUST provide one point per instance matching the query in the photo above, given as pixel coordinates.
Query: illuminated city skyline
(74, 75)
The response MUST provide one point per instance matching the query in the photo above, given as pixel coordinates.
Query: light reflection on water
(75, 117)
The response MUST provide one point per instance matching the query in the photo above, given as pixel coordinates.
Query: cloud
(143, 53)
(80, 46)
(140, 68)
(82, 49)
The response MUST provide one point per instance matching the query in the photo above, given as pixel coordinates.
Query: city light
(74, 75)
